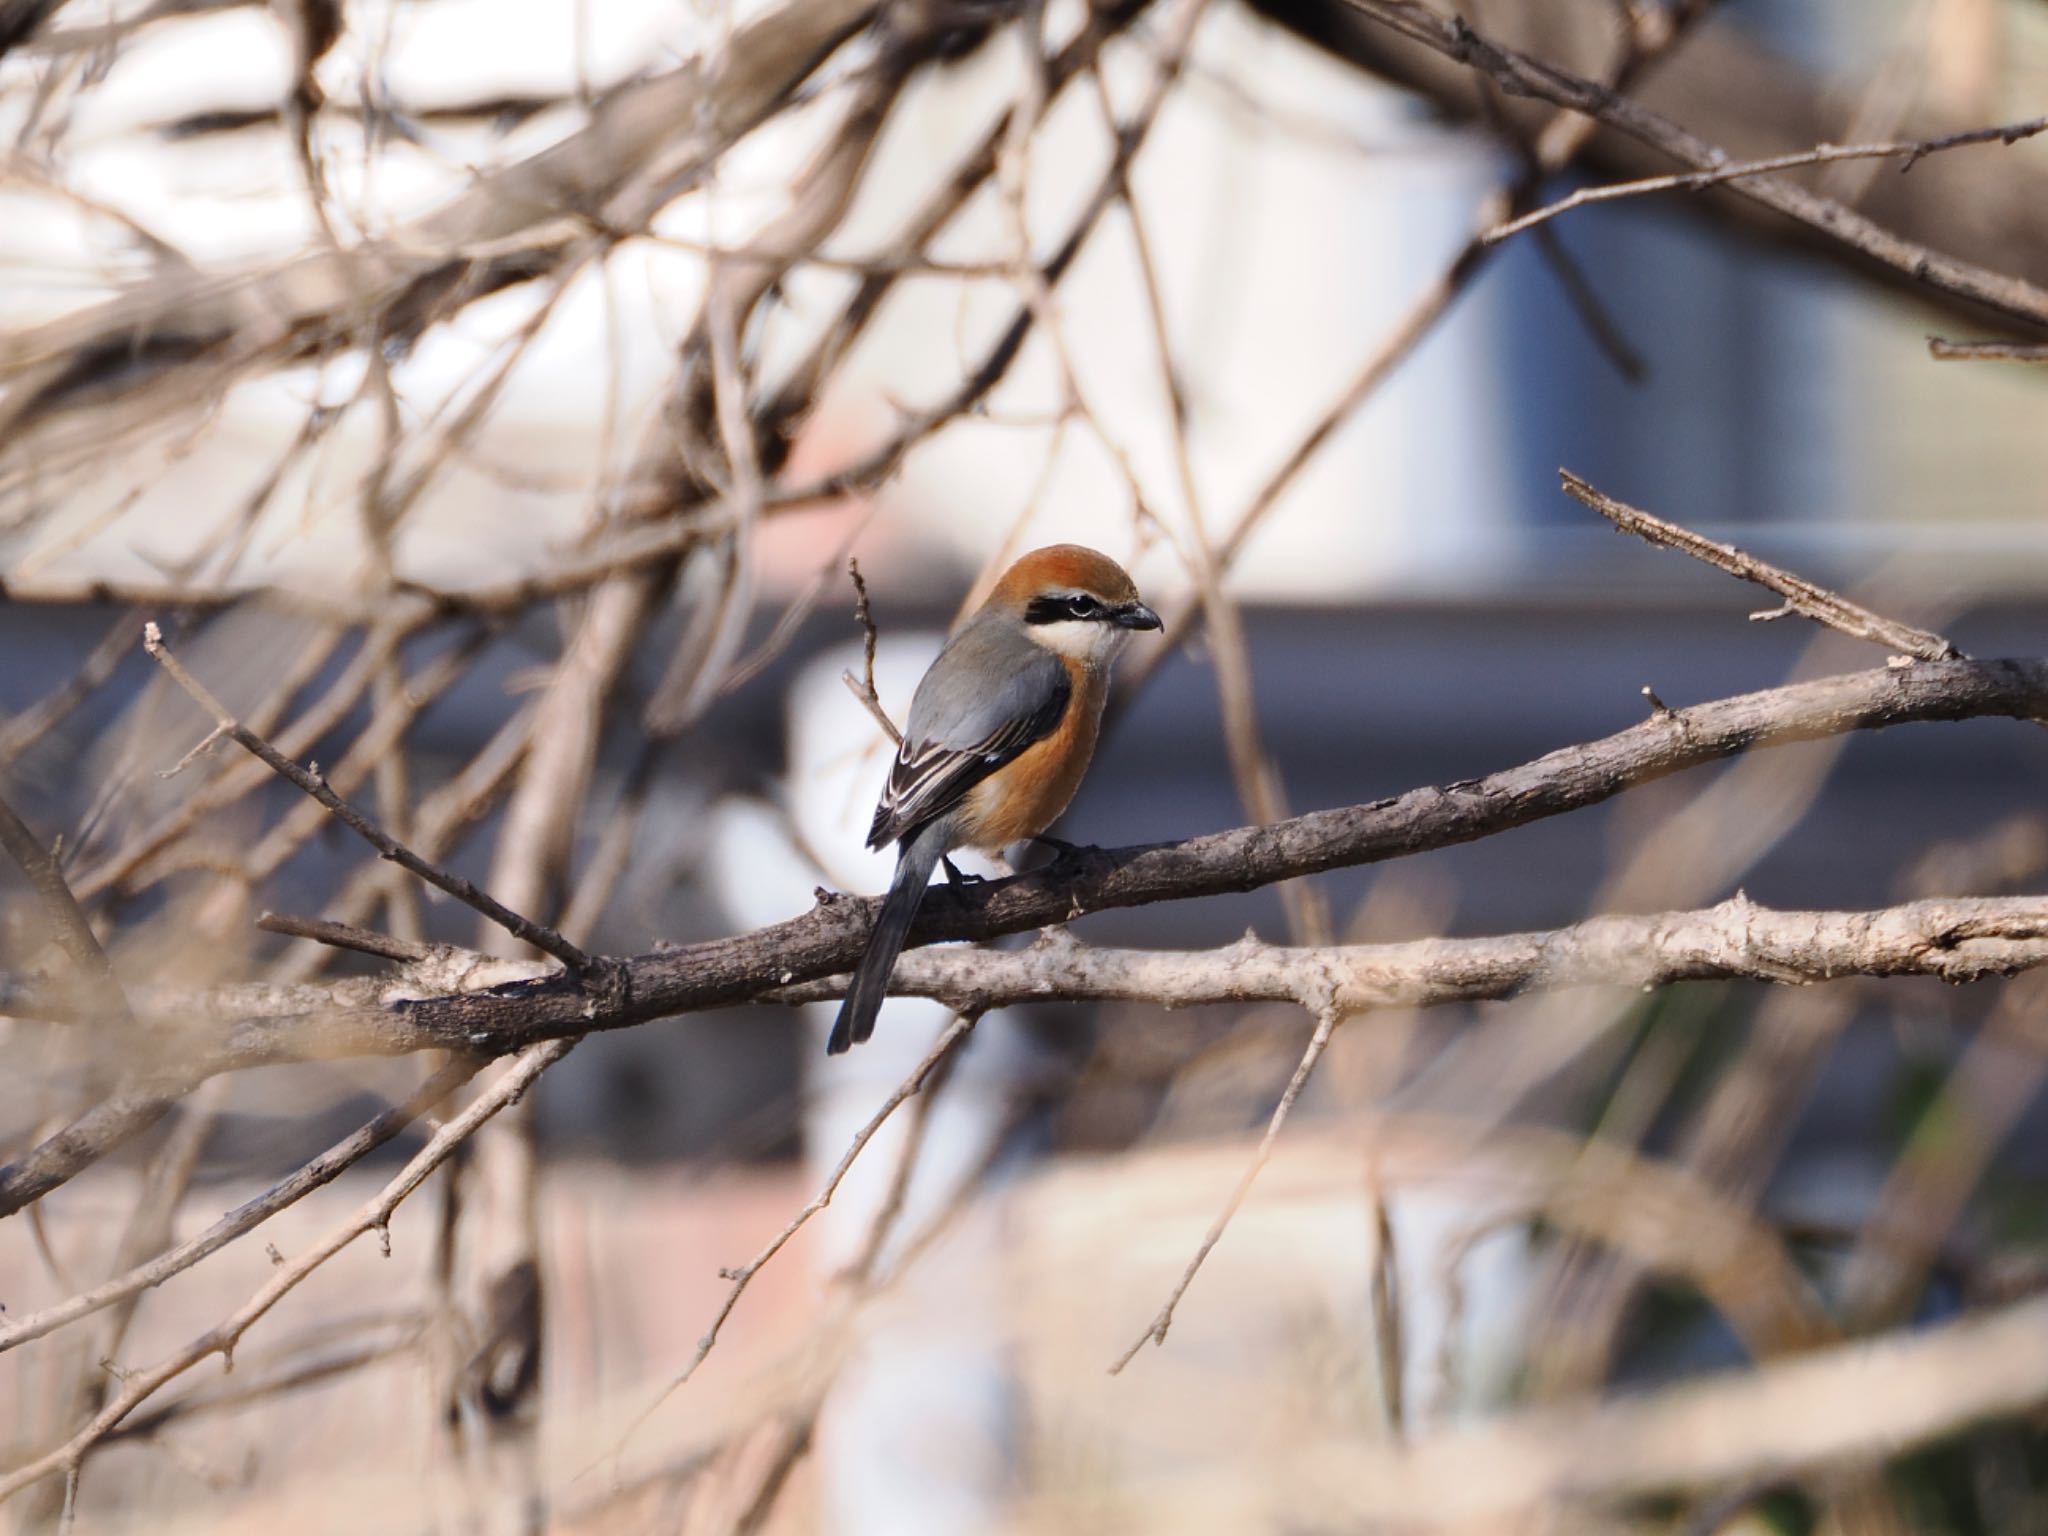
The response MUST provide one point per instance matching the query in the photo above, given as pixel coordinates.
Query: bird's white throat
(1091, 642)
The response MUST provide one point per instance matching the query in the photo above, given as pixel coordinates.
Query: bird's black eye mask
(1059, 608)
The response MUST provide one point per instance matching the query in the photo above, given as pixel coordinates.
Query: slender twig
(1911, 151)
(105, 1127)
(1801, 596)
(541, 938)
(743, 1276)
(1155, 1331)
(1979, 1106)
(284, 1383)
(1252, 769)
(23, 730)
(345, 936)
(863, 688)
(1592, 310)
(1987, 351)
(243, 776)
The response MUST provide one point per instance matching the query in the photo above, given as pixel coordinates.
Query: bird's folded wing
(930, 777)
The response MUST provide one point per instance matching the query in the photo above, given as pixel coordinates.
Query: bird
(1000, 732)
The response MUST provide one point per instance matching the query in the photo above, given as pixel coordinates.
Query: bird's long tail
(918, 857)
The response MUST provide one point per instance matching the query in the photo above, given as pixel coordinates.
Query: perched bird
(1000, 732)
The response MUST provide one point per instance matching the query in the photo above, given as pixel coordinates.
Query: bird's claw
(958, 878)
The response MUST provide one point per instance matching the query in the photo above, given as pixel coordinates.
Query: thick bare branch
(496, 1014)
(1957, 940)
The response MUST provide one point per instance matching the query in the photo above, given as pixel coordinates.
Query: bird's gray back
(988, 676)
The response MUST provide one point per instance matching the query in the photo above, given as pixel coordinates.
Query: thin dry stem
(1155, 1331)
(743, 1276)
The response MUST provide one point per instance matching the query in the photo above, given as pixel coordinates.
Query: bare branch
(513, 224)
(1518, 74)
(399, 1016)
(1801, 596)
(345, 936)
(863, 688)
(222, 1338)
(251, 1213)
(544, 939)
(1829, 1405)
(31, 724)
(1957, 940)
(743, 1276)
(1555, 148)
(1987, 351)
(112, 1123)
(1912, 151)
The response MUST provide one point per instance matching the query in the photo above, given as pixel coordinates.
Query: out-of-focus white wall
(1294, 210)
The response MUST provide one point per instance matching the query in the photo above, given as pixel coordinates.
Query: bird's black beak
(1137, 616)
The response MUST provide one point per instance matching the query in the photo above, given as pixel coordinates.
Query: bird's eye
(1064, 607)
